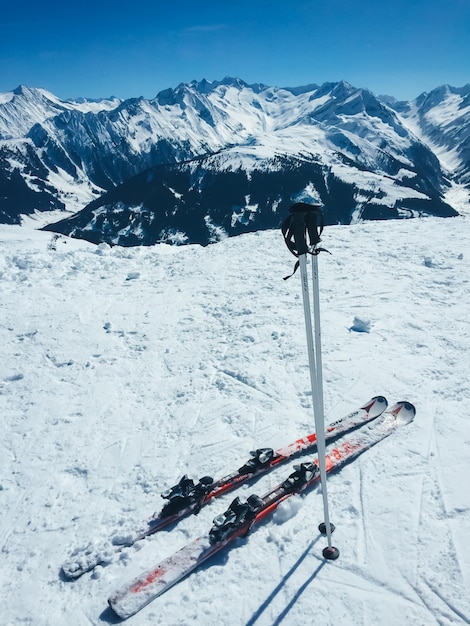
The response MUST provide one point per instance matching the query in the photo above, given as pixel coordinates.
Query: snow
(458, 196)
(95, 106)
(446, 113)
(124, 368)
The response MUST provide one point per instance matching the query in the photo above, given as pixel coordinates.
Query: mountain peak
(28, 92)
(429, 100)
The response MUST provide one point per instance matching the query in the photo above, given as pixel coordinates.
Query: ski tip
(403, 411)
(379, 399)
(376, 406)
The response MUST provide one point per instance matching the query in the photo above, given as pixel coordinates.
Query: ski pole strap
(302, 229)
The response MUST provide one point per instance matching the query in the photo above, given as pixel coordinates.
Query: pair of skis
(241, 517)
(187, 497)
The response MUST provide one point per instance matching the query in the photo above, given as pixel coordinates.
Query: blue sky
(103, 48)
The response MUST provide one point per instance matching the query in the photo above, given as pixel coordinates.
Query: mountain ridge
(79, 154)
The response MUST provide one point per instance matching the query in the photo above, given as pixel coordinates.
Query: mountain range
(213, 159)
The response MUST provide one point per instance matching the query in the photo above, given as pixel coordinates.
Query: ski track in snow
(125, 368)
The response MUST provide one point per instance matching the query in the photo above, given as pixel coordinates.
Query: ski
(188, 497)
(240, 517)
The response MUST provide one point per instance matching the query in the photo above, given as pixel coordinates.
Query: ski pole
(306, 222)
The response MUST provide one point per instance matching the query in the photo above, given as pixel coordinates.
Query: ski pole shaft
(317, 396)
(320, 409)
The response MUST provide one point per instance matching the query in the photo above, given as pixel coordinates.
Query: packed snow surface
(125, 368)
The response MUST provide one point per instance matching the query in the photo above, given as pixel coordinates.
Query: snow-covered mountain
(209, 159)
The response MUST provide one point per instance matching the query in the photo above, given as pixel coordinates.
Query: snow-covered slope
(125, 368)
(442, 119)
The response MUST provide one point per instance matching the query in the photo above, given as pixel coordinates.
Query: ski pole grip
(314, 223)
(305, 219)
